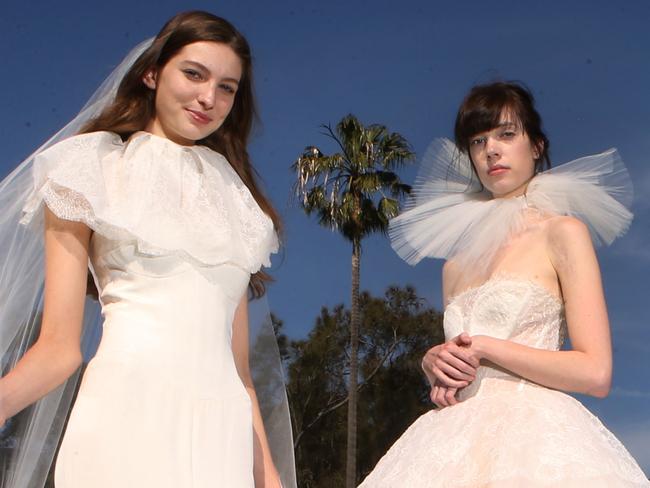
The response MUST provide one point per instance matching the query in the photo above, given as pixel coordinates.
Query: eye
(509, 133)
(192, 74)
(476, 141)
(228, 88)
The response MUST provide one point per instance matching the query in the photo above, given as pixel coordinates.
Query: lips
(497, 170)
(199, 117)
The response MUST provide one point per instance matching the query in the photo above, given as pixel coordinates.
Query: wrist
(482, 345)
(265, 472)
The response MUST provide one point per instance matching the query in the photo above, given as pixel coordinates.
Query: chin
(193, 134)
(198, 133)
(508, 189)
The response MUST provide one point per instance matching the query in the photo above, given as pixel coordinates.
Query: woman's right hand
(450, 364)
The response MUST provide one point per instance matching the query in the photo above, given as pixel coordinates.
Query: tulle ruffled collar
(449, 215)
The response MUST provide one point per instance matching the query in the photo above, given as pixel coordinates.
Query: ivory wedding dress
(507, 432)
(176, 236)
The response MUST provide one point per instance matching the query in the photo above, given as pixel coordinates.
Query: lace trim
(507, 277)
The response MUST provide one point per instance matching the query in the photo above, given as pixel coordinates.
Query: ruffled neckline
(164, 197)
(144, 135)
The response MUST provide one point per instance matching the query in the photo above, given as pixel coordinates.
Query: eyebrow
(204, 68)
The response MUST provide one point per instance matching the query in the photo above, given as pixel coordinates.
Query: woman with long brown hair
(156, 193)
(521, 275)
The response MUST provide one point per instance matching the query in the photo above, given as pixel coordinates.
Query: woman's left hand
(443, 396)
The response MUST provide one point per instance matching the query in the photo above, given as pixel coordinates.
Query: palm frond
(355, 190)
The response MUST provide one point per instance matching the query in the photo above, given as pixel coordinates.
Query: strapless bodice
(511, 308)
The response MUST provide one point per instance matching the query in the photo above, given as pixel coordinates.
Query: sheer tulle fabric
(30, 439)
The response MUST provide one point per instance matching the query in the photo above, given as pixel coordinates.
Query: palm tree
(355, 192)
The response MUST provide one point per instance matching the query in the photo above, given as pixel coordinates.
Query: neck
(157, 129)
(517, 192)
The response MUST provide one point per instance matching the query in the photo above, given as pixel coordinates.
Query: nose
(207, 95)
(491, 148)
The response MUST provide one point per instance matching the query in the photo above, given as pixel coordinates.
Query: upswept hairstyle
(483, 108)
(134, 104)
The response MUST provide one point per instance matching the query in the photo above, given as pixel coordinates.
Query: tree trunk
(351, 461)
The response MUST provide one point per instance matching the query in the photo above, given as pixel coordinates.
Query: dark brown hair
(483, 108)
(134, 104)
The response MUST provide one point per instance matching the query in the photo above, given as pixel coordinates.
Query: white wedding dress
(176, 238)
(507, 432)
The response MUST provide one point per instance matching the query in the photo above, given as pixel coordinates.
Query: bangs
(483, 117)
(488, 107)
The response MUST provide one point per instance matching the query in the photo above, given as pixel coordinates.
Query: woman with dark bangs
(152, 187)
(520, 275)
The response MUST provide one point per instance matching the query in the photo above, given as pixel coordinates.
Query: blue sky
(404, 64)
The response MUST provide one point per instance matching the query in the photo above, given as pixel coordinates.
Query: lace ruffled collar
(167, 198)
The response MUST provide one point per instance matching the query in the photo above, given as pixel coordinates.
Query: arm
(56, 354)
(449, 366)
(587, 368)
(266, 475)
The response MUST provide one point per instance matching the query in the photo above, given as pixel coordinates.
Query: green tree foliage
(396, 330)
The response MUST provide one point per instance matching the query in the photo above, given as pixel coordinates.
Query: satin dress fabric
(161, 403)
(176, 237)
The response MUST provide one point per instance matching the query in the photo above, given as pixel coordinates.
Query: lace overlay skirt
(508, 434)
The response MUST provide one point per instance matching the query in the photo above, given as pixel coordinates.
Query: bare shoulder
(566, 227)
(564, 230)
(566, 237)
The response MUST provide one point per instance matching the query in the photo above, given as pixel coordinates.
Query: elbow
(600, 383)
(73, 361)
(68, 361)
(64, 358)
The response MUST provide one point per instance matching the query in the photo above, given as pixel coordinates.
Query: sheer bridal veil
(29, 440)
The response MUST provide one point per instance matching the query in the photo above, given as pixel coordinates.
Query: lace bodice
(507, 307)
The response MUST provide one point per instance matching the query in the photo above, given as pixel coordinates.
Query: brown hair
(134, 104)
(483, 108)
